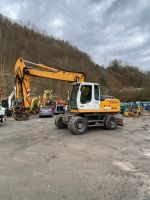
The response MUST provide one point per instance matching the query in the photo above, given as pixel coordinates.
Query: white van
(2, 114)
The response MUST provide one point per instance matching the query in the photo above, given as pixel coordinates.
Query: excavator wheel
(110, 122)
(78, 125)
(58, 122)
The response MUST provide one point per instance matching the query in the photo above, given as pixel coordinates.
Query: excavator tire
(77, 125)
(110, 122)
(58, 122)
(70, 123)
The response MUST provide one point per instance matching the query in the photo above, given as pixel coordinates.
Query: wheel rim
(80, 125)
(112, 123)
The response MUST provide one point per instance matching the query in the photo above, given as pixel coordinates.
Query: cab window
(86, 94)
(96, 92)
(74, 94)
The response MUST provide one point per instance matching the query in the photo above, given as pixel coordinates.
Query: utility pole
(105, 60)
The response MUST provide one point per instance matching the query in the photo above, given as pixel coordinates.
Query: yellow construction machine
(85, 108)
(34, 105)
(133, 111)
(46, 98)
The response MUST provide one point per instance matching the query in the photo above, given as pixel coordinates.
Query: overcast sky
(102, 28)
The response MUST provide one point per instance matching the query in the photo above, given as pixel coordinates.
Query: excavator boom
(25, 69)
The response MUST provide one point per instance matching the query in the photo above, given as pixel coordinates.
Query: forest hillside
(119, 79)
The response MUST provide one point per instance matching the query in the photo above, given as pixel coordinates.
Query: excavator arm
(25, 69)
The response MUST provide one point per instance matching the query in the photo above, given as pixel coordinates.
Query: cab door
(88, 98)
(96, 99)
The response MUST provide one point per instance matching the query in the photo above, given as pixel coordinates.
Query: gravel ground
(40, 162)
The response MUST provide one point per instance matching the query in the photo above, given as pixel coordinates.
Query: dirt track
(40, 162)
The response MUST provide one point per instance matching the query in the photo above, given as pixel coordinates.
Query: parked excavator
(34, 105)
(46, 98)
(85, 109)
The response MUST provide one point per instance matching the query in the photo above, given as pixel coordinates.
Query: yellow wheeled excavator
(85, 108)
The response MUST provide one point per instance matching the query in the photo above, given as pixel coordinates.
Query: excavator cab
(85, 96)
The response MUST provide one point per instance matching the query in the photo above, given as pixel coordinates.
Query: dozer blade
(120, 122)
(119, 119)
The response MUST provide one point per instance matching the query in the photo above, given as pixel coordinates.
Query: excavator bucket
(21, 117)
(20, 113)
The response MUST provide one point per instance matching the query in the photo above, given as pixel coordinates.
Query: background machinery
(60, 107)
(85, 108)
(34, 105)
(2, 114)
(131, 109)
(8, 103)
(46, 98)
